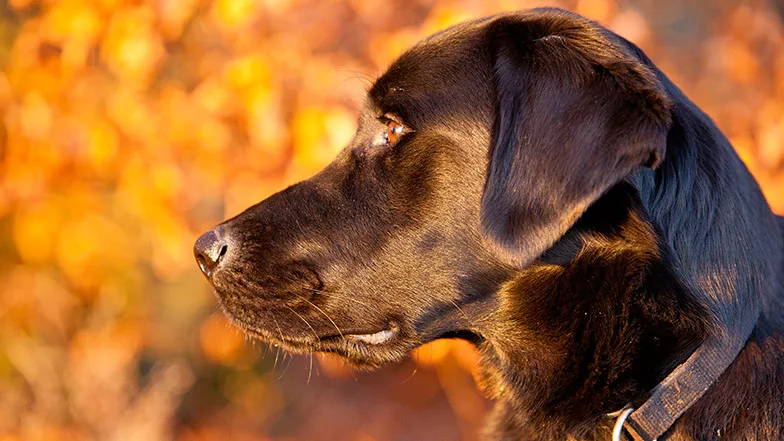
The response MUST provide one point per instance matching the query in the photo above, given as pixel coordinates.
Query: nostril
(222, 251)
(203, 265)
(209, 250)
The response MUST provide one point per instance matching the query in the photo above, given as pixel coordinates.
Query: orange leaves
(102, 147)
(87, 246)
(35, 117)
(90, 247)
(742, 65)
(319, 134)
(34, 227)
(247, 73)
(234, 15)
(132, 47)
(104, 351)
(220, 342)
(434, 353)
(443, 16)
(174, 16)
(600, 10)
(132, 113)
(73, 20)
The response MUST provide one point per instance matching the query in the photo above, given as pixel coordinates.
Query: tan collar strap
(688, 382)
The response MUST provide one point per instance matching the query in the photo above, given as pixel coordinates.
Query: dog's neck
(563, 383)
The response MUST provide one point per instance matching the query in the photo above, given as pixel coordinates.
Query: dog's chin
(370, 350)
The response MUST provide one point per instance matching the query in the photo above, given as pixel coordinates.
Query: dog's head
(475, 153)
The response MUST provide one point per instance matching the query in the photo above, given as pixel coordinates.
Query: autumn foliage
(128, 127)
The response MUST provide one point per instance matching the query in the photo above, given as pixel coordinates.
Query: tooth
(376, 338)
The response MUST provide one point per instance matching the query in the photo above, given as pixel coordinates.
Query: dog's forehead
(439, 54)
(449, 68)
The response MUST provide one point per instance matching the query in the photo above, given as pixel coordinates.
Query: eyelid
(386, 119)
(391, 117)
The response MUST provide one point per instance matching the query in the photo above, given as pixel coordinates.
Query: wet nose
(210, 249)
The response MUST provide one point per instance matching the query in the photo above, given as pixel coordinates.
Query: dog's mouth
(364, 340)
(384, 336)
(361, 349)
(376, 338)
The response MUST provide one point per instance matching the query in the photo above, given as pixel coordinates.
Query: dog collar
(685, 385)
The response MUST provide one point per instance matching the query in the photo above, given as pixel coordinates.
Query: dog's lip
(385, 335)
(376, 338)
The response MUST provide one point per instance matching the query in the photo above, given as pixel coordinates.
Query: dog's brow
(394, 100)
(382, 92)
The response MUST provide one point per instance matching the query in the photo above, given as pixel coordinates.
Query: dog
(532, 183)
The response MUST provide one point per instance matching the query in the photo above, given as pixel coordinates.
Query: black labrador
(532, 183)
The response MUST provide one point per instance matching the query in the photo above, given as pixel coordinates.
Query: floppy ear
(575, 115)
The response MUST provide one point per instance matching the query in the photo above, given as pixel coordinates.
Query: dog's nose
(209, 250)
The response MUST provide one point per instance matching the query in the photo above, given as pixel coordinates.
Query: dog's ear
(575, 115)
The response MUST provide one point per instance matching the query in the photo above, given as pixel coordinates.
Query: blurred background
(129, 127)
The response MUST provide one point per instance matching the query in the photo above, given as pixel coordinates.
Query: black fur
(558, 202)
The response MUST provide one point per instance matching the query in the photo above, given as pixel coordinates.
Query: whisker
(473, 326)
(277, 353)
(357, 75)
(279, 330)
(303, 319)
(310, 370)
(410, 377)
(351, 372)
(319, 310)
(337, 294)
(322, 311)
(291, 357)
(340, 295)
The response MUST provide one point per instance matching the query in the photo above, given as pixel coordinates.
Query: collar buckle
(623, 414)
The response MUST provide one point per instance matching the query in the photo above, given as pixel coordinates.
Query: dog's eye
(394, 131)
